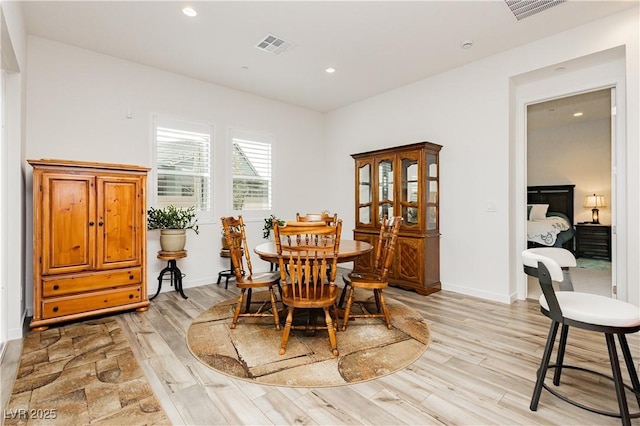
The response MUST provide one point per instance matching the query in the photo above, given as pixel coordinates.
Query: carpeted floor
(368, 349)
(81, 374)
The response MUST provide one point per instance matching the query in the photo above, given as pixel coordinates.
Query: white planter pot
(173, 239)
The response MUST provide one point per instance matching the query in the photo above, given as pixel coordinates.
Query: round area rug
(368, 349)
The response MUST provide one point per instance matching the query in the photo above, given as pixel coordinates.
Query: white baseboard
(496, 297)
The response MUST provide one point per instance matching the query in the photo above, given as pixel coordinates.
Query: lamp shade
(594, 201)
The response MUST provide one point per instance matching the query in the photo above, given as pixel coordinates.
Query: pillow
(538, 211)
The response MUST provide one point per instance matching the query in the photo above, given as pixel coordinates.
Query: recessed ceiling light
(330, 70)
(578, 114)
(467, 44)
(189, 11)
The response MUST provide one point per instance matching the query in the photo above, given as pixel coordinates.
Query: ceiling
(591, 106)
(375, 46)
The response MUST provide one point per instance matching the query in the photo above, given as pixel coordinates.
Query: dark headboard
(559, 198)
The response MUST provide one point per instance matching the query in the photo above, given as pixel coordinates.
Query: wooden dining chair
(246, 280)
(305, 251)
(318, 217)
(377, 278)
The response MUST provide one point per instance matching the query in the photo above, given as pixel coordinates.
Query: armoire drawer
(69, 305)
(54, 286)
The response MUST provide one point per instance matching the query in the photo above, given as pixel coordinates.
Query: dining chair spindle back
(307, 255)
(246, 280)
(377, 278)
(318, 217)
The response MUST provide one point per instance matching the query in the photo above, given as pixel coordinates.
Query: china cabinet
(402, 181)
(89, 240)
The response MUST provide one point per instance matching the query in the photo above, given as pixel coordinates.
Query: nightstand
(593, 240)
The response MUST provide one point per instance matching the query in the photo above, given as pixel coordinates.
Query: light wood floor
(479, 369)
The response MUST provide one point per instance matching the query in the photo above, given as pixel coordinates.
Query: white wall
(578, 154)
(15, 257)
(470, 112)
(76, 107)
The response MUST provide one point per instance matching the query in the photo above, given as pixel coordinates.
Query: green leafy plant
(172, 217)
(268, 225)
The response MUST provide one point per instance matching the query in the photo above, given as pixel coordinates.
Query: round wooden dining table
(348, 251)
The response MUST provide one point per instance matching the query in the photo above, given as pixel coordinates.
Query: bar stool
(589, 312)
(227, 273)
(175, 275)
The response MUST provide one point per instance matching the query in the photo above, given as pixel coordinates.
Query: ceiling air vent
(273, 44)
(524, 8)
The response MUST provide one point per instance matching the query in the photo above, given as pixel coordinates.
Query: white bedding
(545, 231)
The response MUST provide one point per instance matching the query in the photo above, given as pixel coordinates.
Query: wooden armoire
(402, 181)
(89, 240)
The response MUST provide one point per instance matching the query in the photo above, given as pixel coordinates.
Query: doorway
(569, 142)
(605, 69)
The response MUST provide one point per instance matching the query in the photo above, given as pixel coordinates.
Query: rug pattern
(81, 374)
(368, 349)
(597, 264)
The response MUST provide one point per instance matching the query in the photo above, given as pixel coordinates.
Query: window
(251, 164)
(183, 164)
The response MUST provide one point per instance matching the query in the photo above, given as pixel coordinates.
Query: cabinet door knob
(55, 309)
(131, 277)
(91, 223)
(131, 296)
(100, 223)
(56, 287)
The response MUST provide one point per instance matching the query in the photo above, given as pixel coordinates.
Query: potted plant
(225, 244)
(173, 223)
(268, 225)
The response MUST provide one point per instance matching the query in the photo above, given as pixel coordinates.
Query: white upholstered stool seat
(590, 312)
(595, 309)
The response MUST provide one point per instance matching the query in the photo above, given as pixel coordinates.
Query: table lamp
(594, 201)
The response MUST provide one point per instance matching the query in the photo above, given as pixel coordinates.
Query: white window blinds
(251, 163)
(183, 159)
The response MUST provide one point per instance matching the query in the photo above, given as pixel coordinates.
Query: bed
(550, 216)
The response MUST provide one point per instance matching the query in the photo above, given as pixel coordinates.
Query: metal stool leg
(617, 376)
(227, 273)
(630, 367)
(544, 365)
(564, 332)
(164, 271)
(177, 275)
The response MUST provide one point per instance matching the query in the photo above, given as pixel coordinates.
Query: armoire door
(68, 223)
(119, 213)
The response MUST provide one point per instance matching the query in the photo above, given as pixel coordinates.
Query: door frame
(4, 224)
(557, 81)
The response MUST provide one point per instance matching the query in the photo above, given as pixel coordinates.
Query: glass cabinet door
(364, 193)
(385, 189)
(432, 192)
(410, 190)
